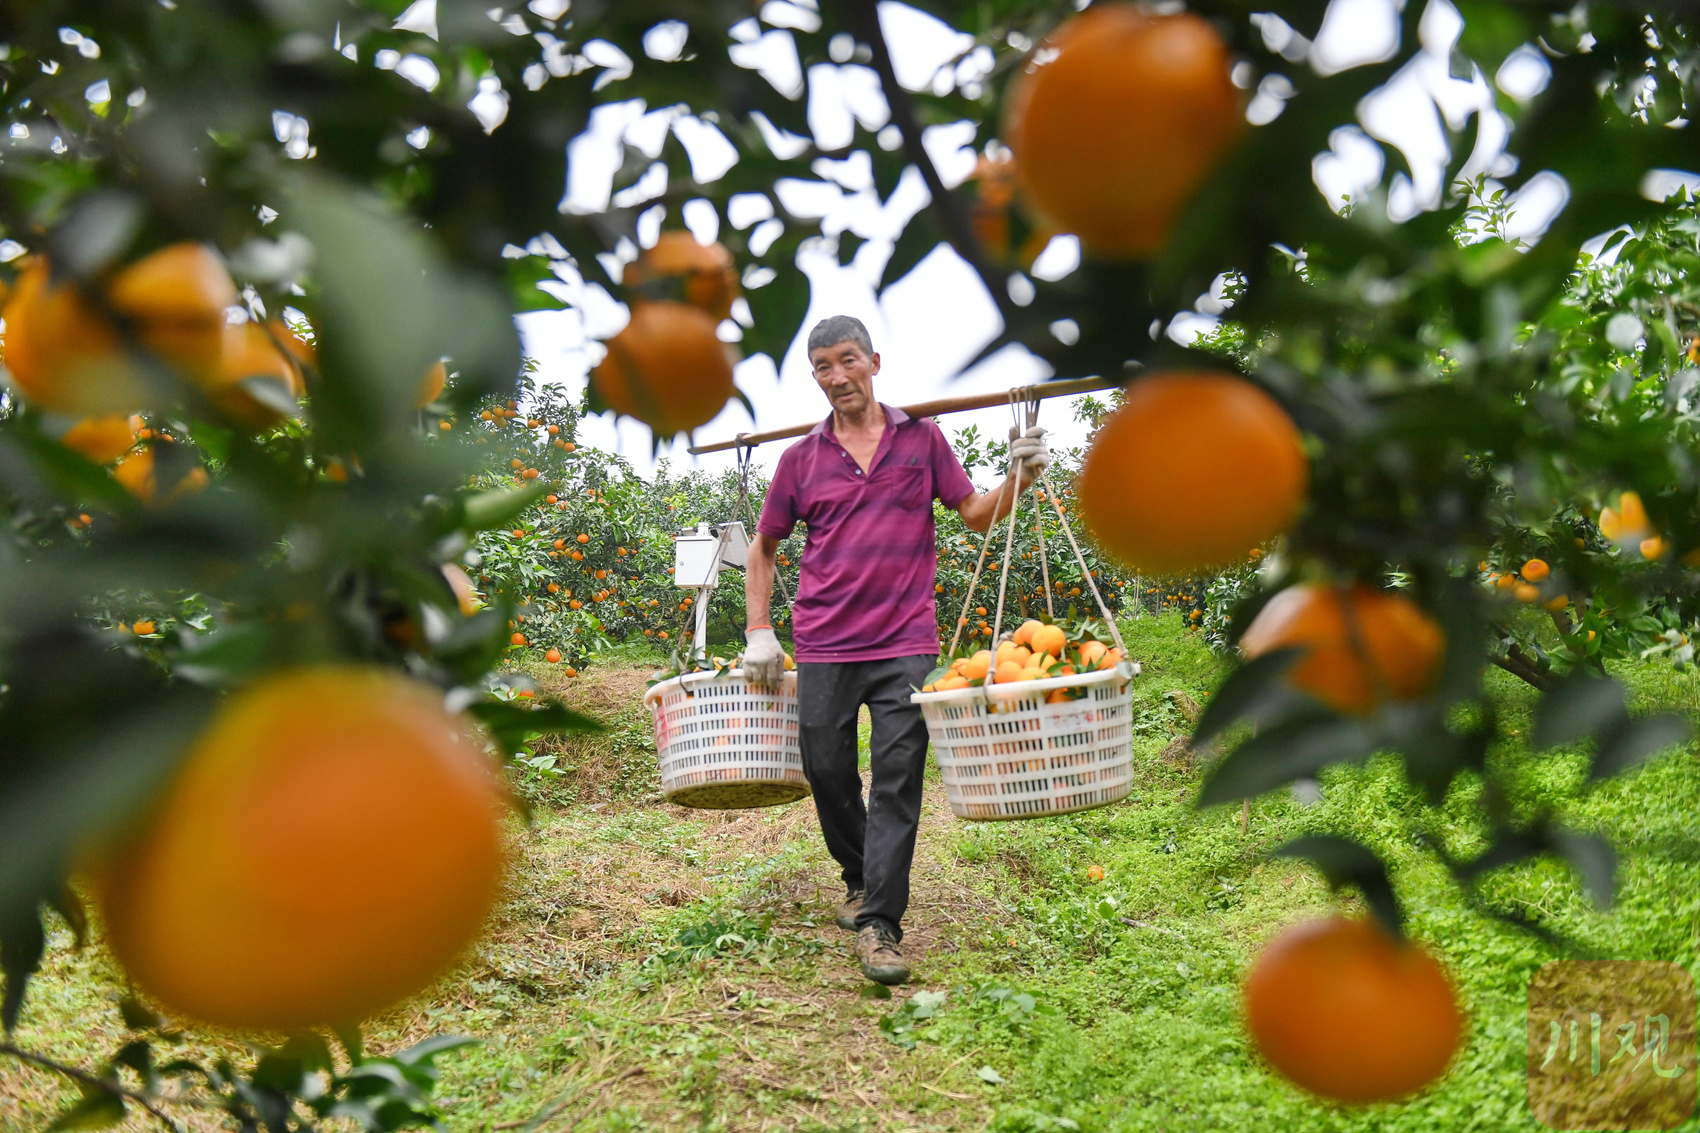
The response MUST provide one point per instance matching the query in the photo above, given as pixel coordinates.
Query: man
(864, 624)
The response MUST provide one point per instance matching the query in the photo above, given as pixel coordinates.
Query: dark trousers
(875, 843)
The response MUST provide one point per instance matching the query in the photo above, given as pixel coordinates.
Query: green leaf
(1345, 862)
(1294, 749)
(1629, 742)
(96, 1110)
(1250, 690)
(21, 945)
(513, 724)
(1595, 861)
(1577, 706)
(139, 1017)
(424, 1051)
(1508, 846)
(989, 1076)
(498, 508)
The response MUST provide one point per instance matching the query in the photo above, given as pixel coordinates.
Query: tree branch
(1518, 666)
(862, 17)
(84, 1078)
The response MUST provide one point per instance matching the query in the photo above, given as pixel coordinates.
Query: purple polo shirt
(867, 580)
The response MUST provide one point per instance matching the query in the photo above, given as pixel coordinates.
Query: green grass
(658, 969)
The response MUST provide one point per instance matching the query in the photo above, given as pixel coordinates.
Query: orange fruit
(1007, 671)
(65, 357)
(1559, 603)
(1527, 594)
(177, 298)
(251, 352)
(144, 628)
(584, 538)
(435, 379)
(1627, 522)
(1049, 639)
(331, 843)
(1093, 872)
(1348, 1012)
(1116, 121)
(1505, 581)
(1535, 570)
(948, 683)
(1192, 469)
(974, 668)
(552, 656)
(1654, 547)
(465, 596)
(60, 353)
(136, 473)
(517, 639)
(1024, 633)
(667, 368)
(1091, 652)
(709, 275)
(102, 439)
(1361, 645)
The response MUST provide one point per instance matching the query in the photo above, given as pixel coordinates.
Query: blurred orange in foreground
(1348, 1012)
(329, 847)
(1362, 646)
(65, 356)
(668, 368)
(1191, 470)
(709, 277)
(1116, 121)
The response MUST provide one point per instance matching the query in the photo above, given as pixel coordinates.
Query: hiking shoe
(847, 911)
(880, 959)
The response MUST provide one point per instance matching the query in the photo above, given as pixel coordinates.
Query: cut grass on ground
(655, 968)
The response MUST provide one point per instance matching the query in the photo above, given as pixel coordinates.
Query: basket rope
(1018, 398)
(744, 508)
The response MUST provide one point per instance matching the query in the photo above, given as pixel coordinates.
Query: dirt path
(651, 968)
(778, 1029)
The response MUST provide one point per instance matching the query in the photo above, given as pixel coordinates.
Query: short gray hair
(840, 328)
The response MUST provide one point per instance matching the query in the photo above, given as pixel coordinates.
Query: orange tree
(590, 561)
(961, 550)
(387, 192)
(573, 596)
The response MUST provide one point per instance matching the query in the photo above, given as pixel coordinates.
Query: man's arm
(1027, 455)
(758, 580)
(764, 657)
(982, 509)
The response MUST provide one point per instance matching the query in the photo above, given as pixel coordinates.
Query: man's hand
(1028, 452)
(764, 657)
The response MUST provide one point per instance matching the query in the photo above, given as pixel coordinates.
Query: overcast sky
(927, 325)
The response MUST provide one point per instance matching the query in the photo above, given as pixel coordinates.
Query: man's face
(846, 376)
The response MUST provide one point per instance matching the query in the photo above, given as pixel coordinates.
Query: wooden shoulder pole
(943, 405)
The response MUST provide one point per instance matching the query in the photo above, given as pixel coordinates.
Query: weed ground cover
(658, 968)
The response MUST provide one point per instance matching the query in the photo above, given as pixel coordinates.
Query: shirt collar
(893, 416)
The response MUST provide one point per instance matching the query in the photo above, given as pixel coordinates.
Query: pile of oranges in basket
(1035, 651)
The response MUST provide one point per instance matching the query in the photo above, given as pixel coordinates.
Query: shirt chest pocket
(910, 486)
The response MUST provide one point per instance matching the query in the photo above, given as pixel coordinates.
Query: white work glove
(1030, 450)
(764, 658)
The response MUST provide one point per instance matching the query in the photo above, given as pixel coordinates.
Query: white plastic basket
(726, 744)
(1004, 753)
